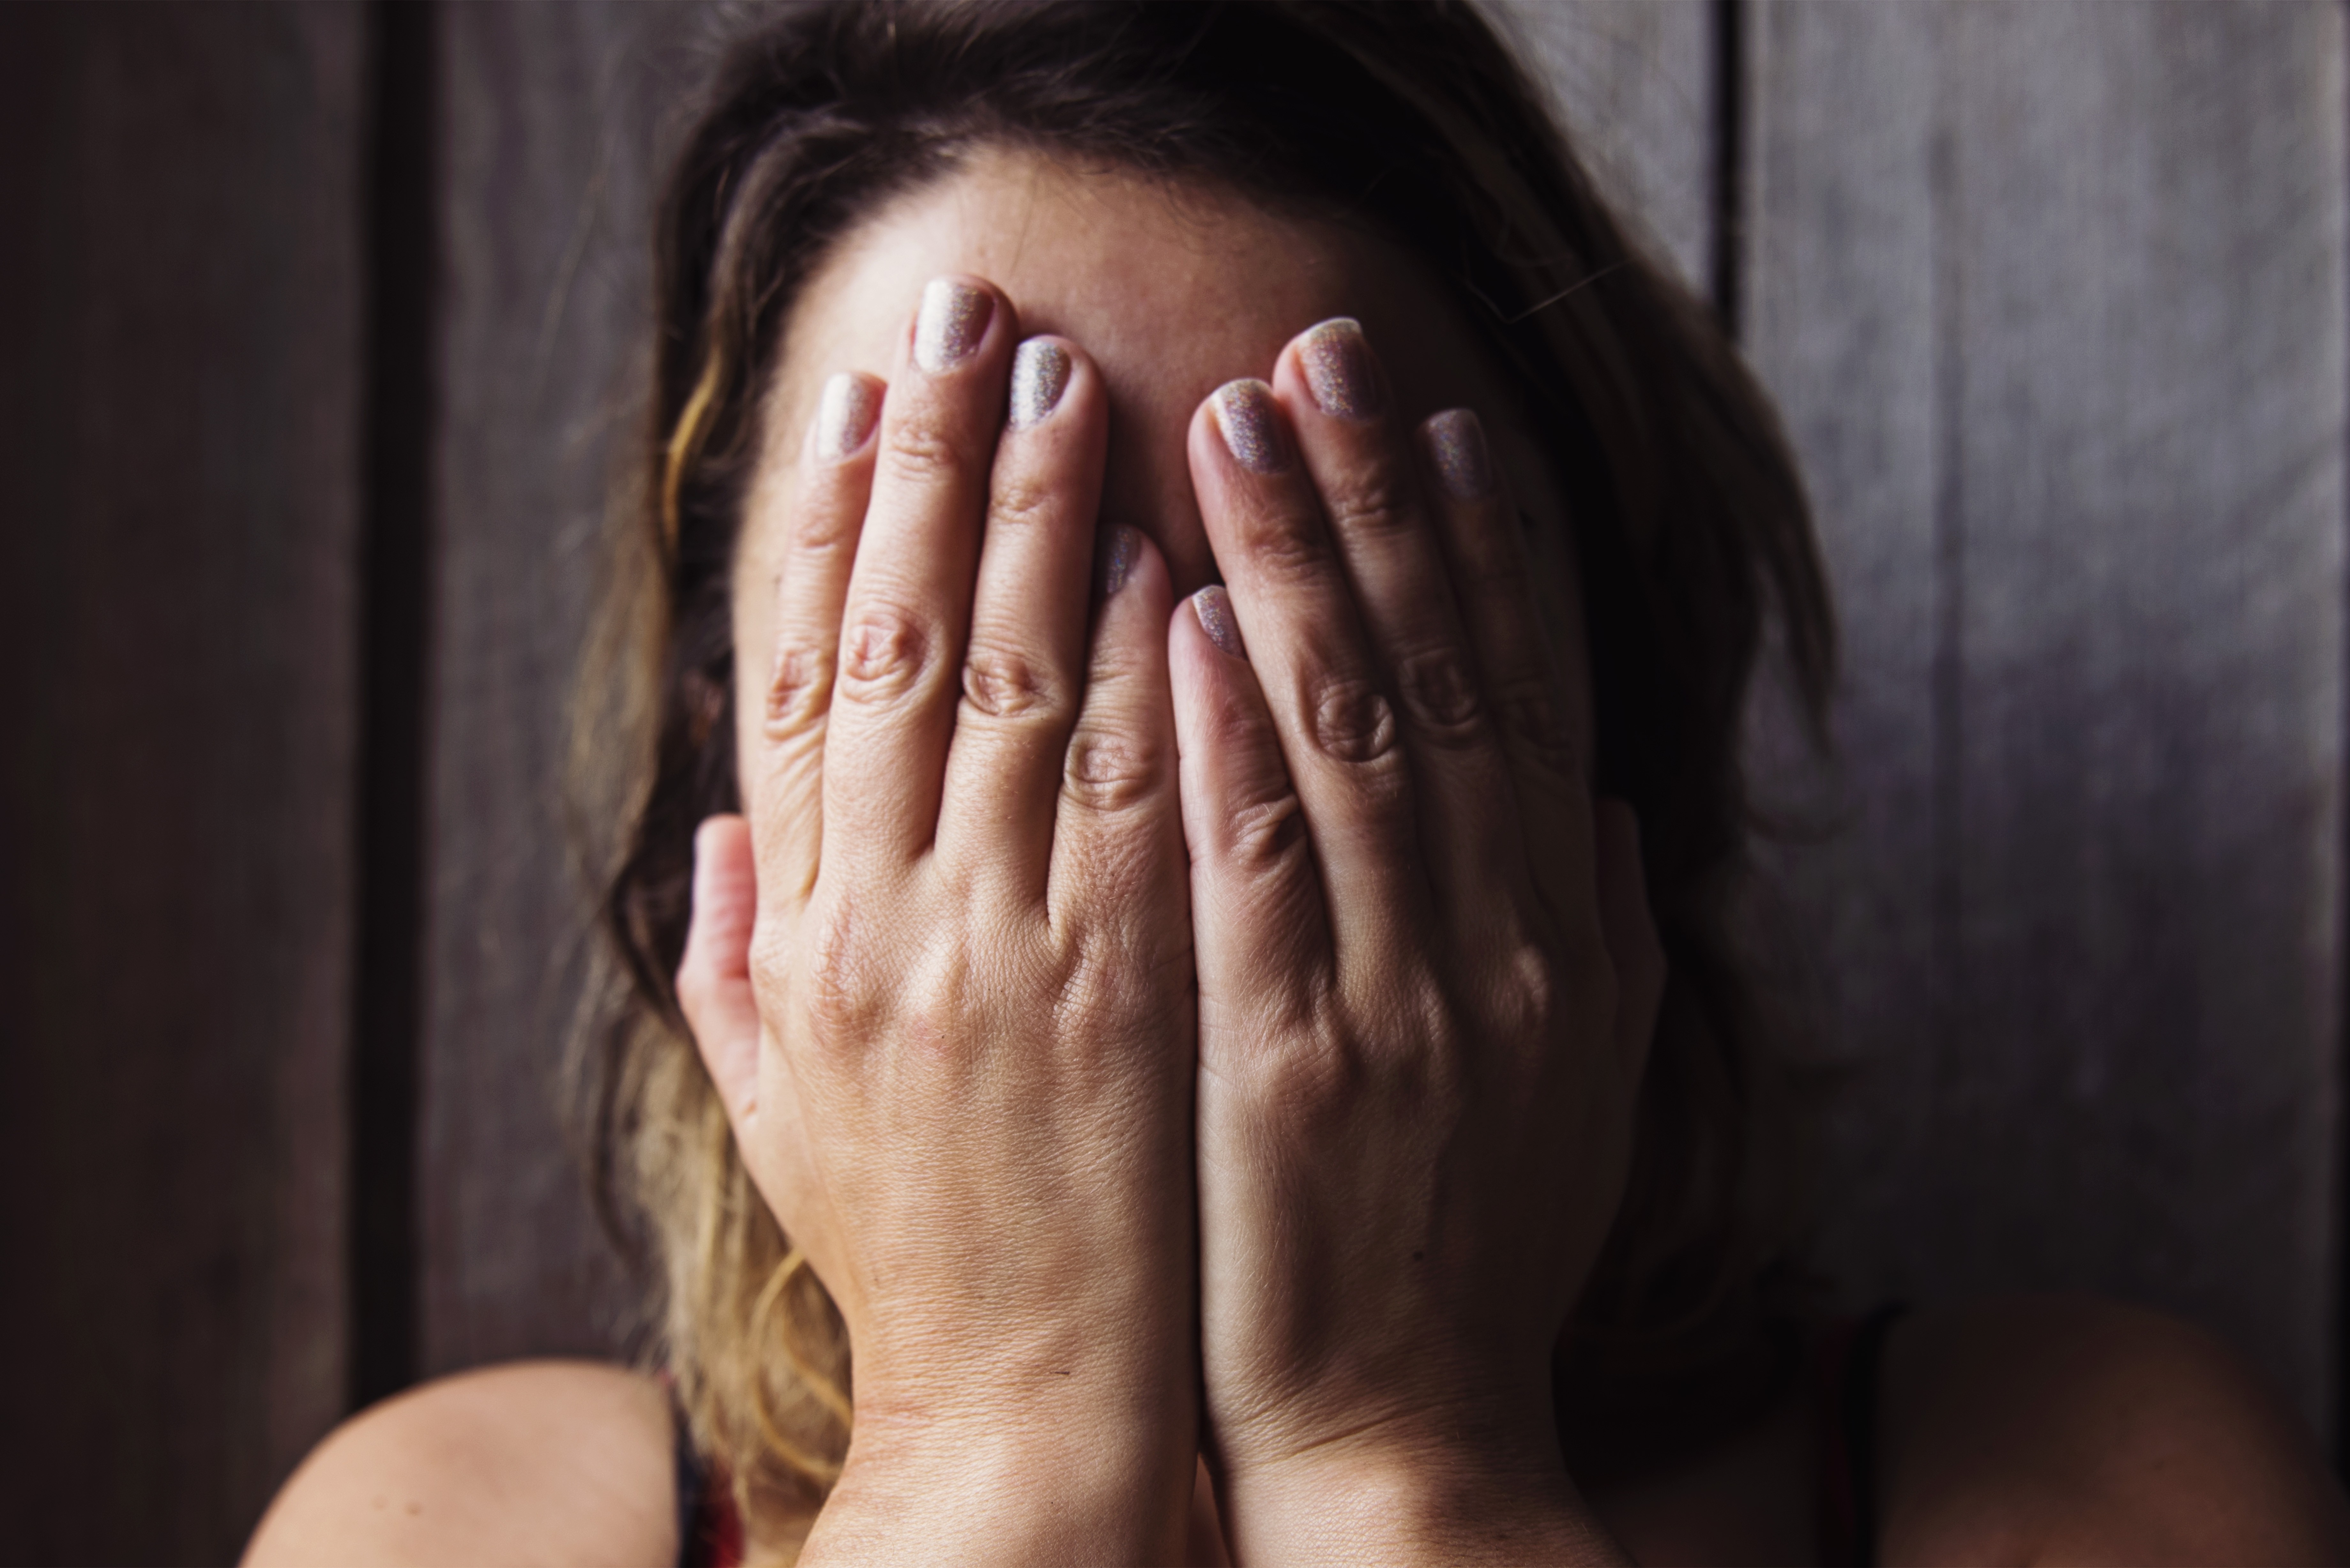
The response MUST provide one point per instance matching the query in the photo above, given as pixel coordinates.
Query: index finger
(785, 720)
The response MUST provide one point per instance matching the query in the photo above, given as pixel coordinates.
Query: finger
(828, 496)
(1628, 929)
(1485, 549)
(1025, 664)
(908, 606)
(719, 997)
(713, 979)
(1365, 469)
(1261, 930)
(1296, 614)
(1116, 831)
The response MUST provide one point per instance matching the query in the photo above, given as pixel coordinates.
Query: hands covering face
(1329, 1116)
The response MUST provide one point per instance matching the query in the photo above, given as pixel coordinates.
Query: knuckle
(820, 534)
(1439, 693)
(883, 652)
(1353, 721)
(1535, 722)
(843, 1000)
(798, 692)
(1002, 682)
(1314, 1070)
(937, 999)
(1106, 998)
(1526, 996)
(1109, 772)
(1287, 546)
(1022, 501)
(1267, 831)
(1370, 505)
(923, 450)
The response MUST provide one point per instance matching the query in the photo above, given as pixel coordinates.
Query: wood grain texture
(180, 329)
(2052, 297)
(548, 137)
(1629, 79)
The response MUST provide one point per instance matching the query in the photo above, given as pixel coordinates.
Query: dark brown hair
(1414, 122)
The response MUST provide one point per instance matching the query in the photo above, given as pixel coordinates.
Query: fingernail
(1040, 371)
(1338, 370)
(1250, 426)
(1456, 445)
(952, 321)
(1214, 608)
(1117, 561)
(845, 415)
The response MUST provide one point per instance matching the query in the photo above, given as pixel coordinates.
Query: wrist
(1452, 1490)
(1065, 1480)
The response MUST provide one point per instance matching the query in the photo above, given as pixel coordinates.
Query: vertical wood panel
(548, 136)
(180, 310)
(2054, 298)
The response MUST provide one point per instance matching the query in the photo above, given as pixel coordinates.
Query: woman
(1194, 596)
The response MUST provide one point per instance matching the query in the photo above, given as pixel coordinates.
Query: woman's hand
(950, 1010)
(1427, 983)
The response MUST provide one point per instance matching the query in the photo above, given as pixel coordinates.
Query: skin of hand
(1427, 980)
(1173, 292)
(942, 975)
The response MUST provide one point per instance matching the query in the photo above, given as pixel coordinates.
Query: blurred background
(316, 324)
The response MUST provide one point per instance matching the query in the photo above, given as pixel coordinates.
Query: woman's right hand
(942, 975)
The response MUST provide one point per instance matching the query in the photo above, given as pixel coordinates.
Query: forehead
(1174, 289)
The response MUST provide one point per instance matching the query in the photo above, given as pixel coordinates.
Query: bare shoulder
(2040, 1428)
(543, 1461)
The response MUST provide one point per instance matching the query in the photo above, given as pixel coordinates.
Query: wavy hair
(1416, 122)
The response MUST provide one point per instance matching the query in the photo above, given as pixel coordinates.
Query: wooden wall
(2053, 299)
(295, 299)
(180, 310)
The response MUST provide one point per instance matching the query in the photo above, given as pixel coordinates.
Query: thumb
(714, 987)
(713, 980)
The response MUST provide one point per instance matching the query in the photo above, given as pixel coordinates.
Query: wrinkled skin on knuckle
(799, 692)
(1110, 773)
(1002, 682)
(1286, 548)
(1439, 693)
(1535, 722)
(884, 652)
(1265, 832)
(1353, 721)
(1371, 505)
(924, 452)
(1022, 501)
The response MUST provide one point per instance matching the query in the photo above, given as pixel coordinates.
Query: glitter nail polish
(954, 318)
(1118, 559)
(1040, 373)
(1251, 425)
(1456, 445)
(845, 415)
(1214, 608)
(1339, 371)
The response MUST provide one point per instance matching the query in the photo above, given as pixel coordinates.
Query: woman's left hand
(1427, 978)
